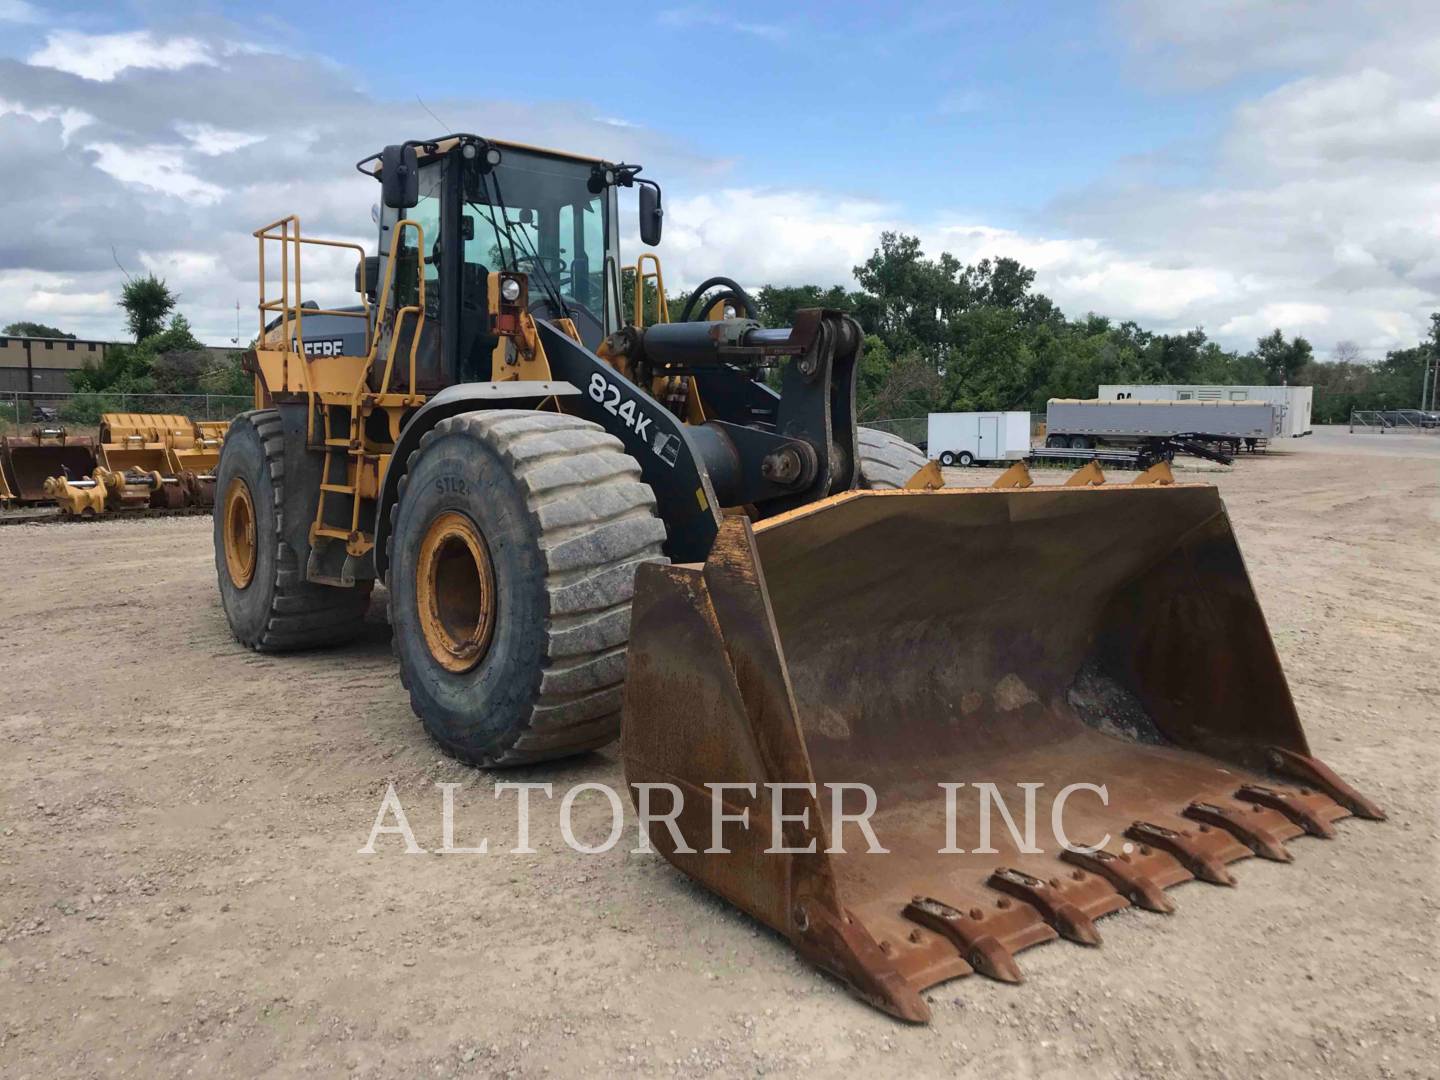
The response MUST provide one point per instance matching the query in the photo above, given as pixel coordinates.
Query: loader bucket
(29, 462)
(901, 640)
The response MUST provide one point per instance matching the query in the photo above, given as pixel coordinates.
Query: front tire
(886, 461)
(267, 601)
(513, 553)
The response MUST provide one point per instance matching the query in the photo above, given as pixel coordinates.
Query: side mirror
(652, 217)
(399, 177)
(367, 275)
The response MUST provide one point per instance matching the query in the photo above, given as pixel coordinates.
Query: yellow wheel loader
(818, 654)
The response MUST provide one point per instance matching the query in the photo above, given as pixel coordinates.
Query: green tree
(147, 302)
(34, 329)
(1283, 360)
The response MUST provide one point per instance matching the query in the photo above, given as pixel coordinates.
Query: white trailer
(970, 437)
(1295, 401)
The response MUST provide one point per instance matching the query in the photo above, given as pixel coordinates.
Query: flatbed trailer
(1079, 424)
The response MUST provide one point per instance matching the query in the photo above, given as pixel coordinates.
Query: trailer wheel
(513, 552)
(947, 459)
(1079, 442)
(966, 458)
(1057, 442)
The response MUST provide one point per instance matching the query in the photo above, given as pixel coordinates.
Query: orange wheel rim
(239, 523)
(455, 592)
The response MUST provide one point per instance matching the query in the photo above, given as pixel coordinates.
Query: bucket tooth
(1307, 770)
(1286, 803)
(1088, 475)
(1158, 474)
(1129, 880)
(969, 934)
(927, 478)
(1252, 834)
(840, 944)
(1203, 864)
(1016, 476)
(1072, 923)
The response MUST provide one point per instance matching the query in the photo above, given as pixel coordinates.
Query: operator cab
(501, 224)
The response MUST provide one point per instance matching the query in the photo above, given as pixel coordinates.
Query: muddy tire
(513, 551)
(267, 601)
(886, 461)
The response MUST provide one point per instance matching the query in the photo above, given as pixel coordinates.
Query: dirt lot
(180, 891)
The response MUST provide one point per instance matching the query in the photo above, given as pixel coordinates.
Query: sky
(1238, 165)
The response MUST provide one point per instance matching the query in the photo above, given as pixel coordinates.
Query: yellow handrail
(417, 309)
(662, 307)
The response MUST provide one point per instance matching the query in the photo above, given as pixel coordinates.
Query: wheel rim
(239, 522)
(455, 592)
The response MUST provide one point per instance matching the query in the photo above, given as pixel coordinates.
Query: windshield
(536, 215)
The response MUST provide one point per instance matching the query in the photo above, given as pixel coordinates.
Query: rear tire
(947, 459)
(886, 461)
(966, 458)
(1079, 442)
(532, 669)
(267, 601)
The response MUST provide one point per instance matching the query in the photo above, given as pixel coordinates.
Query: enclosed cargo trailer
(967, 437)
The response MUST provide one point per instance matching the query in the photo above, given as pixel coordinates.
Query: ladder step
(327, 530)
(338, 442)
(338, 489)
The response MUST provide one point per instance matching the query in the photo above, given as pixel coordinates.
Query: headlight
(510, 289)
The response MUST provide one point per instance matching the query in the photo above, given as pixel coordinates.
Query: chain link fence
(22, 408)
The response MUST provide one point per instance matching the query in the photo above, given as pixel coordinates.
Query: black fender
(675, 460)
(452, 401)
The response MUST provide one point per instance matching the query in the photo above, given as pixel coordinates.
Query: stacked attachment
(143, 461)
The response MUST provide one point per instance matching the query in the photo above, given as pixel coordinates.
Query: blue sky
(993, 108)
(1235, 164)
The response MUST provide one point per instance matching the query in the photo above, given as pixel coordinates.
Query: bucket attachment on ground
(1045, 636)
(28, 462)
(138, 441)
(107, 491)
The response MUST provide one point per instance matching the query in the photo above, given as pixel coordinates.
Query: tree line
(943, 336)
(165, 357)
(940, 336)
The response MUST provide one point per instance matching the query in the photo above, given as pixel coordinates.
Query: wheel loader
(676, 533)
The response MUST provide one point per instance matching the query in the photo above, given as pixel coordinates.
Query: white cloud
(1319, 210)
(18, 11)
(71, 120)
(35, 294)
(1207, 42)
(213, 141)
(101, 57)
(159, 168)
(720, 22)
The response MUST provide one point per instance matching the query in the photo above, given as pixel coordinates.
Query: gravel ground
(180, 891)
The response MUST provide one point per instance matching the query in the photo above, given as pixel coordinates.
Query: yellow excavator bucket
(1096, 654)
